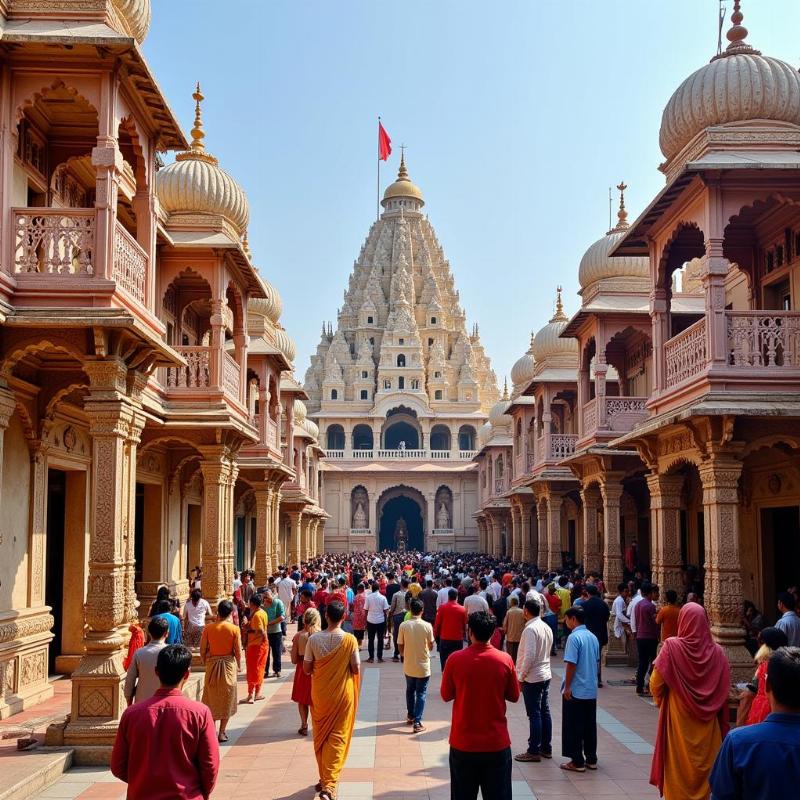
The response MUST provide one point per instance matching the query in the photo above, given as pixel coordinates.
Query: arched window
(401, 360)
(334, 394)
(401, 382)
(433, 320)
(466, 437)
(335, 436)
(362, 437)
(365, 394)
(440, 437)
(437, 395)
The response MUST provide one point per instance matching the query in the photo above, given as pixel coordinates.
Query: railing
(768, 339)
(360, 531)
(196, 373)
(562, 445)
(467, 455)
(272, 434)
(443, 531)
(685, 353)
(231, 376)
(54, 241)
(590, 416)
(363, 455)
(334, 454)
(440, 455)
(130, 264)
(499, 485)
(402, 454)
(622, 413)
(430, 455)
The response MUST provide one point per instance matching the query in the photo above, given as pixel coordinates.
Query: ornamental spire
(737, 35)
(559, 316)
(622, 214)
(505, 389)
(198, 134)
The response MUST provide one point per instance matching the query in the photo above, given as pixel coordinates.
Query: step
(25, 774)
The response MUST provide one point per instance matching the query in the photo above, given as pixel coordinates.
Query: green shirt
(277, 609)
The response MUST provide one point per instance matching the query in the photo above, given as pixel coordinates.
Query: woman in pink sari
(690, 684)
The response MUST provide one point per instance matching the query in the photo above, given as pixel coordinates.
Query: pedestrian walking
(450, 627)
(301, 686)
(513, 624)
(276, 612)
(141, 681)
(377, 610)
(256, 649)
(415, 637)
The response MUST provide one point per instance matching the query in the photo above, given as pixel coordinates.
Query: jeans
(375, 629)
(416, 692)
(579, 731)
(275, 644)
(446, 647)
(489, 772)
(552, 621)
(537, 707)
(396, 620)
(511, 649)
(646, 649)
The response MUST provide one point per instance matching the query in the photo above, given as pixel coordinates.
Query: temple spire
(736, 35)
(559, 316)
(505, 389)
(622, 213)
(198, 134)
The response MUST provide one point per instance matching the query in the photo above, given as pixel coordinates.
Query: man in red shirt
(166, 747)
(480, 677)
(449, 627)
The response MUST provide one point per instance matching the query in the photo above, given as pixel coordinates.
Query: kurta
(691, 745)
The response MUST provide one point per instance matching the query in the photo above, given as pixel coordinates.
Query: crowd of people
(495, 626)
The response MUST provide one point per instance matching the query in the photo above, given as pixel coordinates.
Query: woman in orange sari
(690, 684)
(332, 658)
(256, 649)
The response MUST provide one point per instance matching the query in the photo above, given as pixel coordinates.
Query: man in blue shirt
(175, 634)
(579, 694)
(789, 622)
(762, 762)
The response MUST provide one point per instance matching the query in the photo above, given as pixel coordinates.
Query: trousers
(375, 629)
(646, 648)
(537, 707)
(489, 772)
(579, 731)
(416, 694)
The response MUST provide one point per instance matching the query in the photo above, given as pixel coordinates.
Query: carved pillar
(590, 497)
(516, 533)
(263, 565)
(320, 534)
(38, 532)
(541, 525)
(611, 490)
(277, 555)
(661, 322)
(97, 701)
(108, 165)
(723, 587)
(554, 502)
(525, 531)
(295, 518)
(600, 368)
(665, 530)
(217, 524)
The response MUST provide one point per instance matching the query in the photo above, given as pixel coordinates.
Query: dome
(484, 433)
(270, 306)
(300, 411)
(497, 414)
(285, 344)
(134, 17)
(738, 85)
(195, 183)
(548, 341)
(403, 187)
(522, 371)
(310, 428)
(596, 264)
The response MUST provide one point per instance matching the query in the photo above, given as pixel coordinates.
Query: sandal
(303, 730)
(223, 737)
(326, 794)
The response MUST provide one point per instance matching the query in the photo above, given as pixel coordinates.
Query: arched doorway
(401, 504)
(401, 431)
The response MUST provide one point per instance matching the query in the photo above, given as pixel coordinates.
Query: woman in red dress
(301, 688)
(770, 640)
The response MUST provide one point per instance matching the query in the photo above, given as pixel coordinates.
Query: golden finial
(402, 173)
(622, 214)
(559, 316)
(198, 134)
(505, 389)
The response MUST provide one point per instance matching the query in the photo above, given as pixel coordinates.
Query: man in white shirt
(474, 602)
(533, 671)
(377, 610)
(618, 611)
(539, 598)
(441, 595)
(631, 612)
(495, 588)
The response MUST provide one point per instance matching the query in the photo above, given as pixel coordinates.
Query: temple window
(364, 394)
(437, 395)
(334, 394)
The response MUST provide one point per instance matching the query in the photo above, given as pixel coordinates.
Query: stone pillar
(554, 502)
(516, 534)
(600, 369)
(713, 277)
(723, 587)
(665, 530)
(97, 700)
(611, 490)
(590, 497)
(320, 535)
(38, 532)
(541, 525)
(294, 542)
(218, 479)
(263, 565)
(525, 531)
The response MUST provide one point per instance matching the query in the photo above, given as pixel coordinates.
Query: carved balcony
(198, 379)
(562, 445)
(400, 455)
(606, 417)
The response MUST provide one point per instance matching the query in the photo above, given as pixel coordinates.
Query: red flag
(384, 143)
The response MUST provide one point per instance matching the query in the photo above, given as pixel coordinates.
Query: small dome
(270, 306)
(522, 371)
(134, 17)
(195, 183)
(285, 344)
(484, 433)
(497, 414)
(310, 428)
(596, 264)
(300, 411)
(548, 342)
(403, 187)
(737, 86)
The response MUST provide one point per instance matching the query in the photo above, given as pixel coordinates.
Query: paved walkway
(266, 758)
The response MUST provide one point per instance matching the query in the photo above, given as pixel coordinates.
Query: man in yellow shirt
(415, 639)
(565, 596)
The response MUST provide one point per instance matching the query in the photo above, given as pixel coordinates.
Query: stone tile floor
(267, 759)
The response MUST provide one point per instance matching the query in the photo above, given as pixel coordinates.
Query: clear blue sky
(518, 115)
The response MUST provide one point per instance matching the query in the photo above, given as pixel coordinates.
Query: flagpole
(378, 190)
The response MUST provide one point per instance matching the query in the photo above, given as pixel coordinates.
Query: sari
(334, 701)
(220, 644)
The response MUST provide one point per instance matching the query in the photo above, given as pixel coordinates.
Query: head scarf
(696, 670)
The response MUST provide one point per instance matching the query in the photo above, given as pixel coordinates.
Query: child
(301, 688)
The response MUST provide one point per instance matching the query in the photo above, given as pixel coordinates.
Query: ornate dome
(195, 184)
(484, 433)
(270, 306)
(403, 187)
(310, 428)
(300, 411)
(738, 85)
(522, 371)
(596, 264)
(285, 344)
(548, 341)
(497, 415)
(134, 17)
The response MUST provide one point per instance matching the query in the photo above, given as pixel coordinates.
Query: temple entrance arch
(401, 513)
